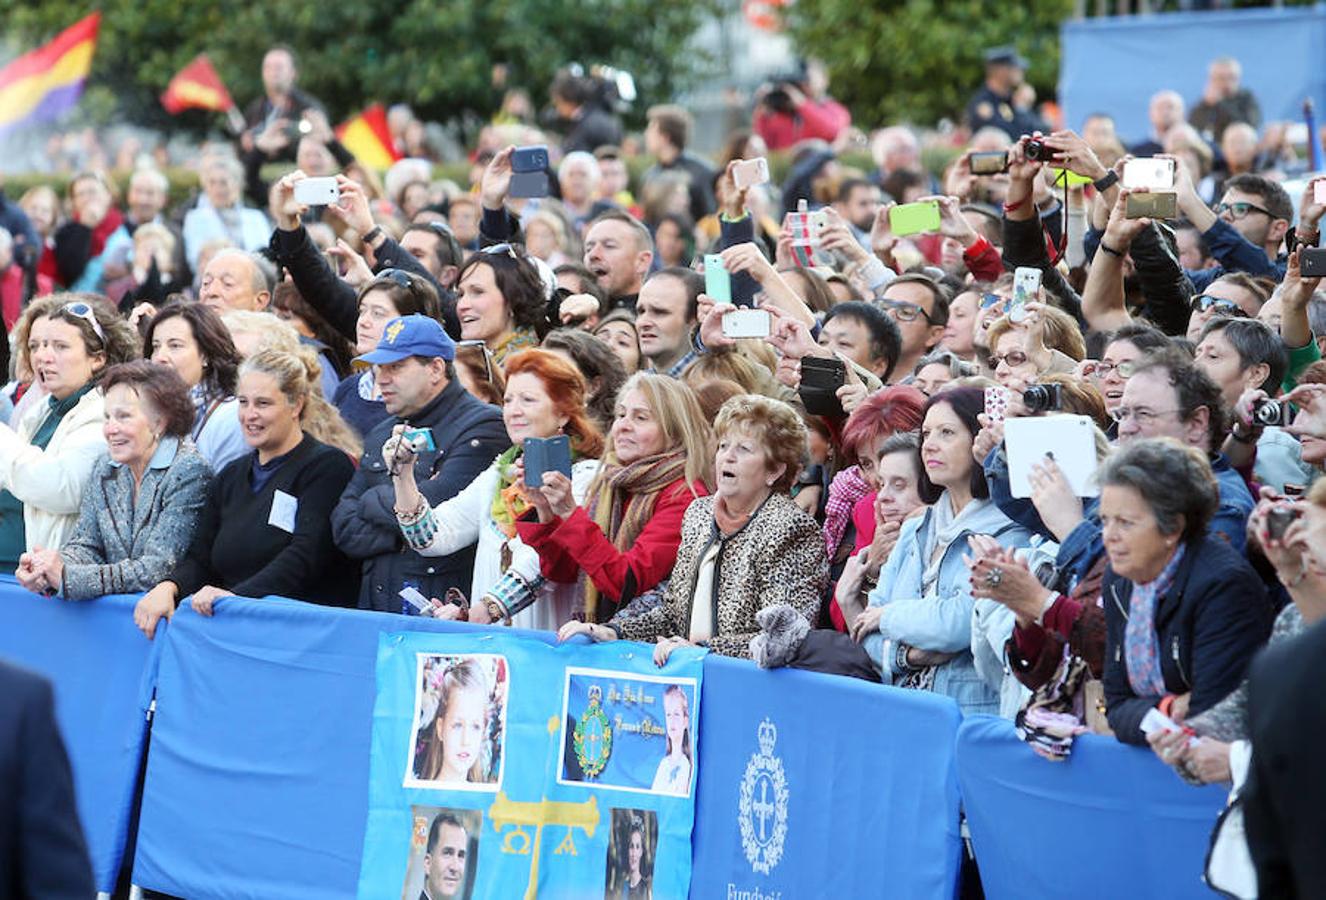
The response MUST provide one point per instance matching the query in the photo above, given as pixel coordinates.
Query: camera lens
(1041, 398)
(1267, 412)
(1036, 151)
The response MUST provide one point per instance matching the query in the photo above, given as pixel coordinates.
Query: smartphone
(991, 162)
(1319, 192)
(1026, 289)
(746, 323)
(750, 172)
(317, 192)
(1150, 172)
(996, 403)
(546, 455)
(820, 380)
(914, 218)
(1312, 261)
(533, 158)
(1164, 205)
(1278, 520)
(717, 281)
(817, 222)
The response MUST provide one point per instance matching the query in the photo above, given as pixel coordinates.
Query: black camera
(1036, 151)
(1041, 398)
(1270, 412)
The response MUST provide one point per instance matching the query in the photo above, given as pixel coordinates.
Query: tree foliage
(920, 60)
(437, 55)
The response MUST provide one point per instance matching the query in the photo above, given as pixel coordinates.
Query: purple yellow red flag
(367, 137)
(47, 82)
(196, 86)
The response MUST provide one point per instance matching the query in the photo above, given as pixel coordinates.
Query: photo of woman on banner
(444, 852)
(632, 845)
(460, 715)
(674, 770)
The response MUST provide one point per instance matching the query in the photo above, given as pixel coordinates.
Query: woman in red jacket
(624, 540)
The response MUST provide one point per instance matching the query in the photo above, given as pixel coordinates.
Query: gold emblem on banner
(520, 816)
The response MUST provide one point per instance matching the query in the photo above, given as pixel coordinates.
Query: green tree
(920, 60)
(437, 55)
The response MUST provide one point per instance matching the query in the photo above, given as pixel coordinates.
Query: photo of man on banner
(444, 852)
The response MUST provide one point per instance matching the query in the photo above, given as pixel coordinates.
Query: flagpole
(1314, 145)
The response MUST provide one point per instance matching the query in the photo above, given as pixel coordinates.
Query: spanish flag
(196, 86)
(367, 137)
(46, 83)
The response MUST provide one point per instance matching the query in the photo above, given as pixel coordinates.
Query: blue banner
(1110, 821)
(503, 767)
(821, 786)
(103, 670)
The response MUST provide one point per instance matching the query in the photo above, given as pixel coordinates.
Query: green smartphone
(914, 218)
(717, 281)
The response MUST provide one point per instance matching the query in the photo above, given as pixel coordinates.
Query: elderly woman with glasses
(66, 341)
(1045, 342)
(502, 300)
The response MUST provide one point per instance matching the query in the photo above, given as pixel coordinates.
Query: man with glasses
(1246, 229)
(1233, 295)
(919, 306)
(413, 368)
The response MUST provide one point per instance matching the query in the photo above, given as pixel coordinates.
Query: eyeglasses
(902, 311)
(1142, 415)
(1241, 209)
(485, 352)
(80, 310)
(1125, 369)
(1204, 302)
(503, 248)
(1014, 358)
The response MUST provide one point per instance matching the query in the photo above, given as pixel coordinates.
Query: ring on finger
(994, 577)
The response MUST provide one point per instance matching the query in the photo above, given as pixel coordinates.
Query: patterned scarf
(516, 341)
(1141, 644)
(621, 503)
(845, 490)
(509, 500)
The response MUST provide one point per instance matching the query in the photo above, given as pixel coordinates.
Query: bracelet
(1249, 438)
(1110, 250)
(372, 234)
(496, 610)
(1106, 181)
(411, 516)
(1010, 207)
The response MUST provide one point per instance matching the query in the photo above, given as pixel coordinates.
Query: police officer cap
(1004, 56)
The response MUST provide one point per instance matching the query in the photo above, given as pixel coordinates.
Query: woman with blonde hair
(266, 528)
(622, 541)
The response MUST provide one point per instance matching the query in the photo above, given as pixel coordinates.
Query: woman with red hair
(849, 516)
(545, 396)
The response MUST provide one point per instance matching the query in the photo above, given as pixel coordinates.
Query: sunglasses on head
(80, 310)
(484, 351)
(398, 277)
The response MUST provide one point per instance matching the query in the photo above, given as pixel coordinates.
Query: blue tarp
(1114, 65)
(101, 666)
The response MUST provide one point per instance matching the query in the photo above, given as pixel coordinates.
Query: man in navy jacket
(42, 851)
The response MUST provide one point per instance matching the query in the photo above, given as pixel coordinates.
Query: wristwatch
(373, 234)
(1106, 181)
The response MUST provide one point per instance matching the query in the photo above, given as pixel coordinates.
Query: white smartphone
(1026, 289)
(746, 323)
(1319, 192)
(750, 172)
(317, 192)
(1149, 172)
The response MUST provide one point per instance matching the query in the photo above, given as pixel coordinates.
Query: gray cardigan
(121, 546)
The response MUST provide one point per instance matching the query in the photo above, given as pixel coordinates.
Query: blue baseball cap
(414, 335)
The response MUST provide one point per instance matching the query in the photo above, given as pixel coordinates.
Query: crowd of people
(336, 403)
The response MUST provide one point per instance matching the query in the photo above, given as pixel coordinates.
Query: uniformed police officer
(993, 103)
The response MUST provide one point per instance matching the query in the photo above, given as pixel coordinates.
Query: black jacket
(469, 434)
(1024, 245)
(331, 295)
(1282, 801)
(1210, 623)
(238, 548)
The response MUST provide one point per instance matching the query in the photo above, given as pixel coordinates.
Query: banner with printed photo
(503, 767)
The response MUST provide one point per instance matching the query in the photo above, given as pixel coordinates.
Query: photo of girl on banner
(459, 722)
(674, 770)
(632, 850)
(629, 732)
(444, 853)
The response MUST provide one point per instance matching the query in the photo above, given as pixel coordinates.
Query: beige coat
(50, 482)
